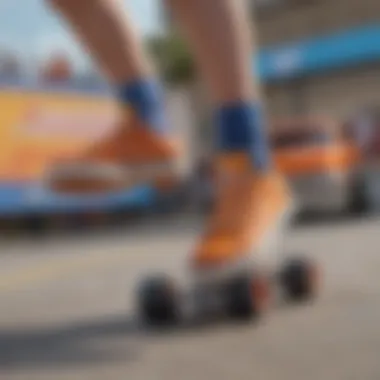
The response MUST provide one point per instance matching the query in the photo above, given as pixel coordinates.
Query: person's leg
(108, 35)
(250, 196)
(104, 29)
(220, 35)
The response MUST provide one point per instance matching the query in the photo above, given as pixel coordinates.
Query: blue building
(319, 56)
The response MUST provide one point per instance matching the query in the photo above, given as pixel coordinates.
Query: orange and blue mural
(39, 125)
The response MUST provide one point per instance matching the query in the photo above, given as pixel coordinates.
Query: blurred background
(63, 299)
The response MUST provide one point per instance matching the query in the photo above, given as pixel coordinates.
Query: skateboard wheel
(299, 279)
(158, 301)
(248, 296)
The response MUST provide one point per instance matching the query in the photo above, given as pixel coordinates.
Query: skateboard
(241, 290)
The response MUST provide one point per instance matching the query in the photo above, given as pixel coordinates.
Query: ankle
(240, 130)
(146, 98)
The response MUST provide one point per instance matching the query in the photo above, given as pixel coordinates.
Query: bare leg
(220, 35)
(107, 33)
(105, 30)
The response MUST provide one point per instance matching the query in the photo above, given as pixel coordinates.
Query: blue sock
(239, 128)
(146, 97)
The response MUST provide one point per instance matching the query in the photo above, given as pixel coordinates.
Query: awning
(349, 48)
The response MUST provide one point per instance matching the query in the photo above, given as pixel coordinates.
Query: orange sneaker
(132, 155)
(248, 209)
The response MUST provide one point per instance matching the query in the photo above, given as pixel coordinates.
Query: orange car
(318, 160)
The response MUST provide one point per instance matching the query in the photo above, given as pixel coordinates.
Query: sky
(31, 29)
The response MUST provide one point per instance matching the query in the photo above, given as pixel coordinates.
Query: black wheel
(158, 300)
(300, 279)
(248, 296)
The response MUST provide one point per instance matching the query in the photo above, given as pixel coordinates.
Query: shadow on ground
(82, 344)
(115, 339)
